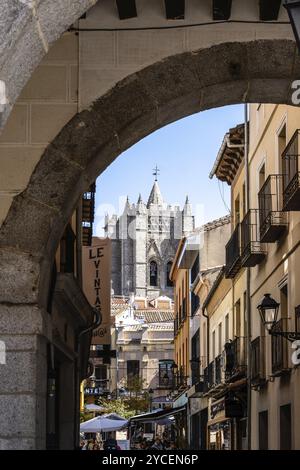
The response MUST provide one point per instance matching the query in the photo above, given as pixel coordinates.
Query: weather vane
(156, 172)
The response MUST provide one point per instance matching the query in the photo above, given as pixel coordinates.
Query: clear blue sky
(184, 152)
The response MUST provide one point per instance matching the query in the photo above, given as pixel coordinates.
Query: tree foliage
(125, 406)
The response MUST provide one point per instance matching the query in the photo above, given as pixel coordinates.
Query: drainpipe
(248, 284)
(95, 324)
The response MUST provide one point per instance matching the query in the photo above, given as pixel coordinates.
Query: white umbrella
(92, 407)
(107, 423)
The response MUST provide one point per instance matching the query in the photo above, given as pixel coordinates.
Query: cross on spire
(156, 172)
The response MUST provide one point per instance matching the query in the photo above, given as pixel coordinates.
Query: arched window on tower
(153, 274)
(169, 267)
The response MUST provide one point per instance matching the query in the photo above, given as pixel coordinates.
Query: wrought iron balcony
(235, 359)
(197, 368)
(211, 374)
(291, 180)
(218, 370)
(233, 258)
(280, 365)
(258, 362)
(253, 251)
(272, 219)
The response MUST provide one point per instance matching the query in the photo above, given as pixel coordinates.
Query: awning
(157, 415)
(107, 423)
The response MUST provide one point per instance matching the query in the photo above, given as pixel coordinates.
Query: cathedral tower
(146, 238)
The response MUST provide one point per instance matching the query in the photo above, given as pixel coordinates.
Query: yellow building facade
(265, 241)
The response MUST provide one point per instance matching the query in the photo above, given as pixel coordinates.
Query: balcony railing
(211, 374)
(272, 219)
(181, 379)
(253, 251)
(236, 358)
(233, 258)
(258, 362)
(197, 368)
(291, 180)
(218, 370)
(280, 365)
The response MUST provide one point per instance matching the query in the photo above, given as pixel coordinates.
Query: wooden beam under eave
(221, 10)
(269, 10)
(175, 9)
(126, 9)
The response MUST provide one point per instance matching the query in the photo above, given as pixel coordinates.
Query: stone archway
(28, 29)
(230, 73)
(258, 71)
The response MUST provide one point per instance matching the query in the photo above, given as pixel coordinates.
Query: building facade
(198, 261)
(70, 321)
(143, 337)
(144, 243)
(248, 363)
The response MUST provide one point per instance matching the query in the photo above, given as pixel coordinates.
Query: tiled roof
(155, 316)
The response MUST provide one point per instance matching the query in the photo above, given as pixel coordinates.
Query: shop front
(226, 423)
(219, 427)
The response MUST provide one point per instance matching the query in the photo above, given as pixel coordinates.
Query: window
(195, 302)
(279, 344)
(238, 319)
(101, 372)
(281, 146)
(237, 215)
(213, 345)
(133, 372)
(284, 301)
(227, 328)
(261, 176)
(285, 427)
(195, 269)
(153, 274)
(263, 430)
(196, 346)
(169, 267)
(297, 319)
(165, 373)
(245, 314)
(220, 338)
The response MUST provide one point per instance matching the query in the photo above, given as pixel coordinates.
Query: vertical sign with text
(96, 267)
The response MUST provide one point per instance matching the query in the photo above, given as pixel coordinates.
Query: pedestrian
(157, 444)
(110, 443)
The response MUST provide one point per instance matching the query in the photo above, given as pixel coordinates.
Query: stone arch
(178, 86)
(28, 29)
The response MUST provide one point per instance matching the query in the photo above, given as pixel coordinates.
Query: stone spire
(127, 206)
(155, 196)
(140, 207)
(187, 209)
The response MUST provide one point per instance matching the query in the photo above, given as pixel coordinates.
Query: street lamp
(268, 310)
(293, 9)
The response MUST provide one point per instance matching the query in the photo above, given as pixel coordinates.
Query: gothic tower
(145, 240)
